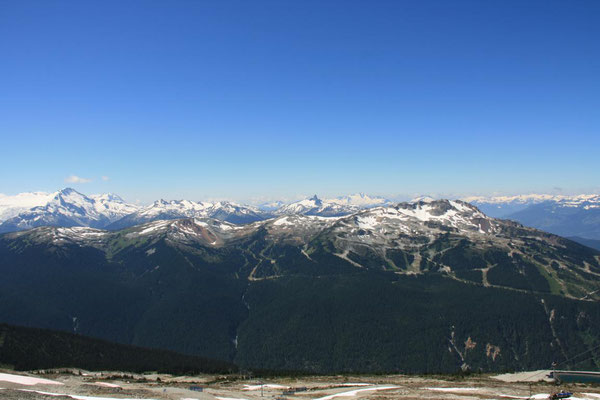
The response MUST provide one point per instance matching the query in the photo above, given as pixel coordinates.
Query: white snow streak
(353, 393)
(26, 380)
(79, 397)
(265, 386)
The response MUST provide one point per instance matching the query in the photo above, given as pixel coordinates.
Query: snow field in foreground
(78, 397)
(265, 386)
(538, 396)
(353, 393)
(26, 380)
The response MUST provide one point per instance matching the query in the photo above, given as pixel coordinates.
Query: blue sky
(241, 100)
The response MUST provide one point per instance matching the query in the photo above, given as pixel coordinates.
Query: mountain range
(67, 208)
(569, 216)
(426, 286)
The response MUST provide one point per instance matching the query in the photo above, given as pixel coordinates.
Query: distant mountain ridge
(176, 209)
(564, 215)
(361, 200)
(316, 206)
(594, 244)
(68, 207)
(577, 216)
(502, 206)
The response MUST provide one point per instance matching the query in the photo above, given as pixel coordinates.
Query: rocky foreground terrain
(82, 385)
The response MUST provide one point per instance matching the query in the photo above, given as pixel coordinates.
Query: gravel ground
(83, 385)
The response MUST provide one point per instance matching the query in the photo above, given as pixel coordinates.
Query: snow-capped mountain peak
(71, 199)
(315, 206)
(67, 207)
(112, 205)
(318, 202)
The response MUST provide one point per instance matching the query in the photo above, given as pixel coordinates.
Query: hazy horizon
(255, 201)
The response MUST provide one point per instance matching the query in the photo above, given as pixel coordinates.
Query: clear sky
(247, 99)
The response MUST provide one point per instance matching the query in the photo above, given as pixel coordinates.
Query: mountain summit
(68, 207)
(315, 206)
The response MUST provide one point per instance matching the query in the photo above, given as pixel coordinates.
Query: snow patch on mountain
(417, 219)
(113, 206)
(152, 227)
(26, 380)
